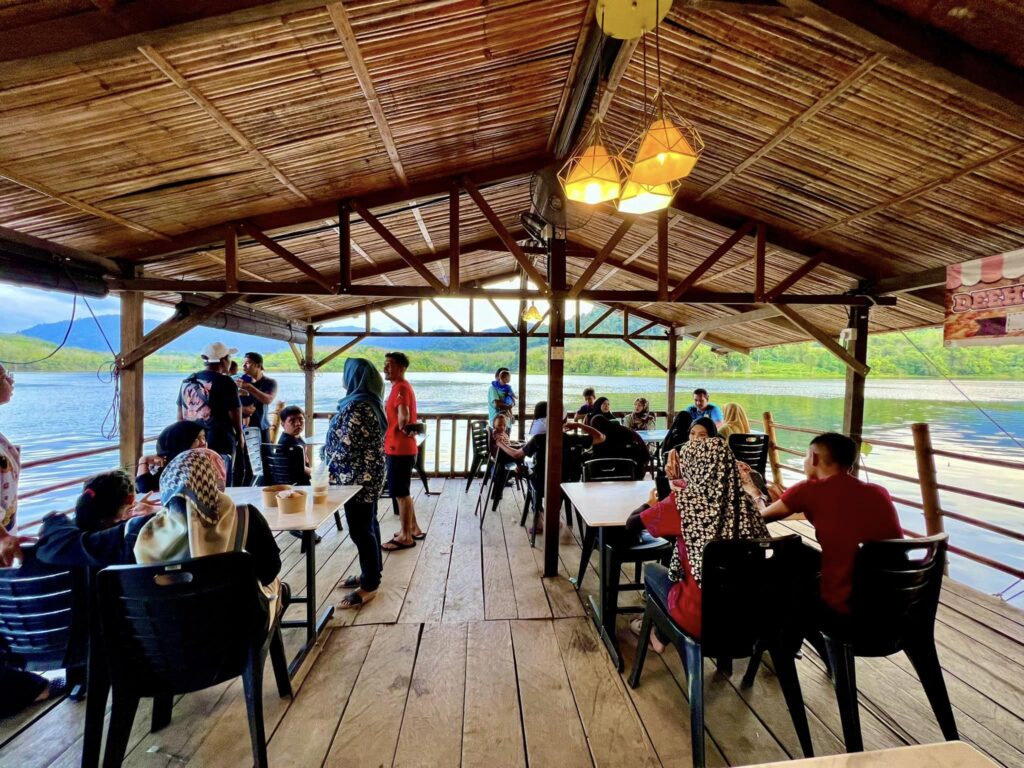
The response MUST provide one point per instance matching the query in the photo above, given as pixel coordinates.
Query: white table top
(949, 754)
(652, 435)
(310, 520)
(606, 505)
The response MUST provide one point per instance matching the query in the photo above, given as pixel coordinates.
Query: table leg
(605, 608)
(312, 625)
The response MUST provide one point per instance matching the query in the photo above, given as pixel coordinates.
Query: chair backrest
(896, 587)
(180, 627)
(284, 464)
(755, 588)
(42, 615)
(478, 431)
(605, 470)
(253, 440)
(752, 449)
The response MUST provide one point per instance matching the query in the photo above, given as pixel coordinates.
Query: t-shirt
(712, 411)
(267, 386)
(493, 393)
(285, 439)
(845, 512)
(207, 398)
(396, 442)
(585, 410)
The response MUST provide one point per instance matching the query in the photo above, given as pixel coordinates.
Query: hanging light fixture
(645, 198)
(593, 174)
(531, 314)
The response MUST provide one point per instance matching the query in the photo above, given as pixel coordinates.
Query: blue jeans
(364, 529)
(658, 584)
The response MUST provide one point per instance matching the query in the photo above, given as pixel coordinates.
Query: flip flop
(419, 536)
(396, 545)
(355, 600)
(352, 582)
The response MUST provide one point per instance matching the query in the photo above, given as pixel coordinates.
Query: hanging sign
(985, 301)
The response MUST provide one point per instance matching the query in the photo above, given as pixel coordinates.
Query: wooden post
(853, 404)
(521, 326)
(344, 248)
(454, 282)
(230, 260)
(670, 394)
(663, 255)
(309, 369)
(556, 376)
(131, 408)
(926, 475)
(773, 450)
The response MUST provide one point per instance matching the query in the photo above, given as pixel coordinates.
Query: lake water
(56, 413)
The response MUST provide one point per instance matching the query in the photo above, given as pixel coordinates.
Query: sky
(21, 308)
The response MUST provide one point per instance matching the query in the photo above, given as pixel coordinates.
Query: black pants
(364, 528)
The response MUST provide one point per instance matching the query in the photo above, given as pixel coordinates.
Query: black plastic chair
(253, 441)
(177, 628)
(478, 435)
(755, 593)
(535, 480)
(286, 465)
(600, 471)
(896, 586)
(750, 449)
(43, 621)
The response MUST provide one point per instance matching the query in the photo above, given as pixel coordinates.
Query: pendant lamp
(638, 197)
(669, 148)
(531, 314)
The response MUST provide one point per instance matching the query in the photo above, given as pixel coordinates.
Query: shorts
(399, 475)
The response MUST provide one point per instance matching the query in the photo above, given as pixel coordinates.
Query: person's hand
(652, 497)
(147, 505)
(749, 487)
(10, 548)
(673, 468)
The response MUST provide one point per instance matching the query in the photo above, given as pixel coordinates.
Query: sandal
(394, 545)
(355, 600)
(419, 536)
(352, 582)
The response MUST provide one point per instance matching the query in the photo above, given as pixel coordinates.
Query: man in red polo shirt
(844, 511)
(400, 450)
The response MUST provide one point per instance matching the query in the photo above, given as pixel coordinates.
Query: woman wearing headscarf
(709, 506)
(601, 407)
(199, 519)
(354, 454)
(678, 433)
(174, 440)
(620, 442)
(735, 421)
(641, 417)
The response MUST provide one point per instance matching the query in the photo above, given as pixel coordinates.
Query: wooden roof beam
(355, 58)
(184, 319)
(928, 52)
(742, 231)
(604, 254)
(15, 242)
(396, 245)
(714, 323)
(824, 339)
(289, 257)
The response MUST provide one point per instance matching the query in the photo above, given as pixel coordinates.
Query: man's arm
(403, 417)
(597, 437)
(258, 394)
(777, 510)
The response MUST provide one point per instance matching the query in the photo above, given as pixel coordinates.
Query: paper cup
(291, 504)
(270, 494)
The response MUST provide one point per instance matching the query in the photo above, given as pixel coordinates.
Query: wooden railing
(926, 480)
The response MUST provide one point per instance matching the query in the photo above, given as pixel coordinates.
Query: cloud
(25, 307)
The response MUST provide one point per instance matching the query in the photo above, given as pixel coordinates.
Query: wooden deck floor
(468, 657)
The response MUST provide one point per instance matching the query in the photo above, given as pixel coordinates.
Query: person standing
(400, 450)
(702, 406)
(10, 462)
(500, 397)
(209, 397)
(353, 453)
(261, 389)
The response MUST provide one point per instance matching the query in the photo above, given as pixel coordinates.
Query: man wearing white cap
(209, 397)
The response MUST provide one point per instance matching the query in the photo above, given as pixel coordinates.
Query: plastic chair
(751, 449)
(896, 586)
(600, 471)
(253, 441)
(755, 592)
(535, 481)
(478, 437)
(286, 465)
(43, 621)
(177, 628)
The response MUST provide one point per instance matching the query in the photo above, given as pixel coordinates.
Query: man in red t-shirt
(400, 450)
(844, 511)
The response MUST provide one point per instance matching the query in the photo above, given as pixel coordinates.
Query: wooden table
(949, 754)
(603, 506)
(306, 524)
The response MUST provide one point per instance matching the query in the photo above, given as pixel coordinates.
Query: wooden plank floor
(469, 657)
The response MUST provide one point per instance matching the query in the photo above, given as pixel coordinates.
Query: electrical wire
(67, 334)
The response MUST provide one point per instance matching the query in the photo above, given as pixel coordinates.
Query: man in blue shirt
(703, 407)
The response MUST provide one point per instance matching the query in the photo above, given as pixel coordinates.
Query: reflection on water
(55, 413)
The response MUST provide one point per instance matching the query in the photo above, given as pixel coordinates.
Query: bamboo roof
(133, 145)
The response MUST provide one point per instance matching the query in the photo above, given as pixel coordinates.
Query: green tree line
(889, 355)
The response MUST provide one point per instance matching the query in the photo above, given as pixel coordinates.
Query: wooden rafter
(501, 314)
(231, 259)
(168, 71)
(181, 322)
(74, 202)
(394, 319)
(454, 240)
(727, 272)
(276, 248)
(503, 233)
(396, 245)
(299, 361)
(600, 319)
(710, 261)
(661, 366)
(652, 240)
(690, 350)
(714, 323)
(539, 323)
(836, 92)
(602, 256)
(355, 58)
(339, 351)
(797, 275)
(615, 75)
(448, 315)
(414, 206)
(759, 261)
(11, 238)
(575, 71)
(824, 339)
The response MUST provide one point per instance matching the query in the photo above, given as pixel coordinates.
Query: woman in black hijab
(678, 433)
(620, 442)
(174, 440)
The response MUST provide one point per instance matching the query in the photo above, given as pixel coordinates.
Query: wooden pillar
(309, 369)
(131, 409)
(853, 404)
(929, 482)
(773, 449)
(670, 394)
(556, 376)
(344, 248)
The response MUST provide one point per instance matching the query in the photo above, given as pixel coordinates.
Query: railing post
(926, 475)
(773, 451)
(309, 369)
